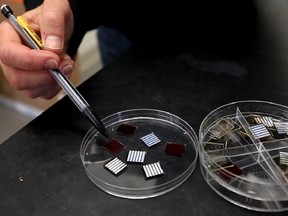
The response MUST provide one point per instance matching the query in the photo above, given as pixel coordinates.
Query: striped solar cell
(115, 166)
(281, 127)
(284, 158)
(136, 156)
(150, 139)
(152, 170)
(265, 120)
(259, 131)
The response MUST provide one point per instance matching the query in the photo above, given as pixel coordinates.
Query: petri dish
(243, 154)
(134, 181)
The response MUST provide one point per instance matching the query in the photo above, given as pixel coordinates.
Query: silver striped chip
(265, 120)
(259, 131)
(153, 169)
(136, 156)
(283, 158)
(281, 127)
(115, 166)
(150, 139)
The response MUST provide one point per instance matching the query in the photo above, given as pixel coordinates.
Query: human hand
(27, 70)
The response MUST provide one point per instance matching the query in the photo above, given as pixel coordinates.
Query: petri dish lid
(164, 151)
(243, 154)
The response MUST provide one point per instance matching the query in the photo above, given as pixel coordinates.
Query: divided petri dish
(167, 145)
(243, 154)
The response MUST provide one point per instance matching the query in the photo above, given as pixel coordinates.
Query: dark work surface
(40, 168)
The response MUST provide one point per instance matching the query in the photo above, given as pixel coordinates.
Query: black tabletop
(40, 168)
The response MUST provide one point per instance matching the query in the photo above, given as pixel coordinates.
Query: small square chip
(113, 146)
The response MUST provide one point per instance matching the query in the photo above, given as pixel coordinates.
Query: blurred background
(16, 110)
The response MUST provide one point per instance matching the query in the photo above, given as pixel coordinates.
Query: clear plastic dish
(243, 154)
(134, 182)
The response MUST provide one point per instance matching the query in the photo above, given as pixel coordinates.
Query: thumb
(53, 21)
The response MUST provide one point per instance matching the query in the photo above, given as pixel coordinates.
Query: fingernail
(51, 64)
(53, 42)
(67, 69)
